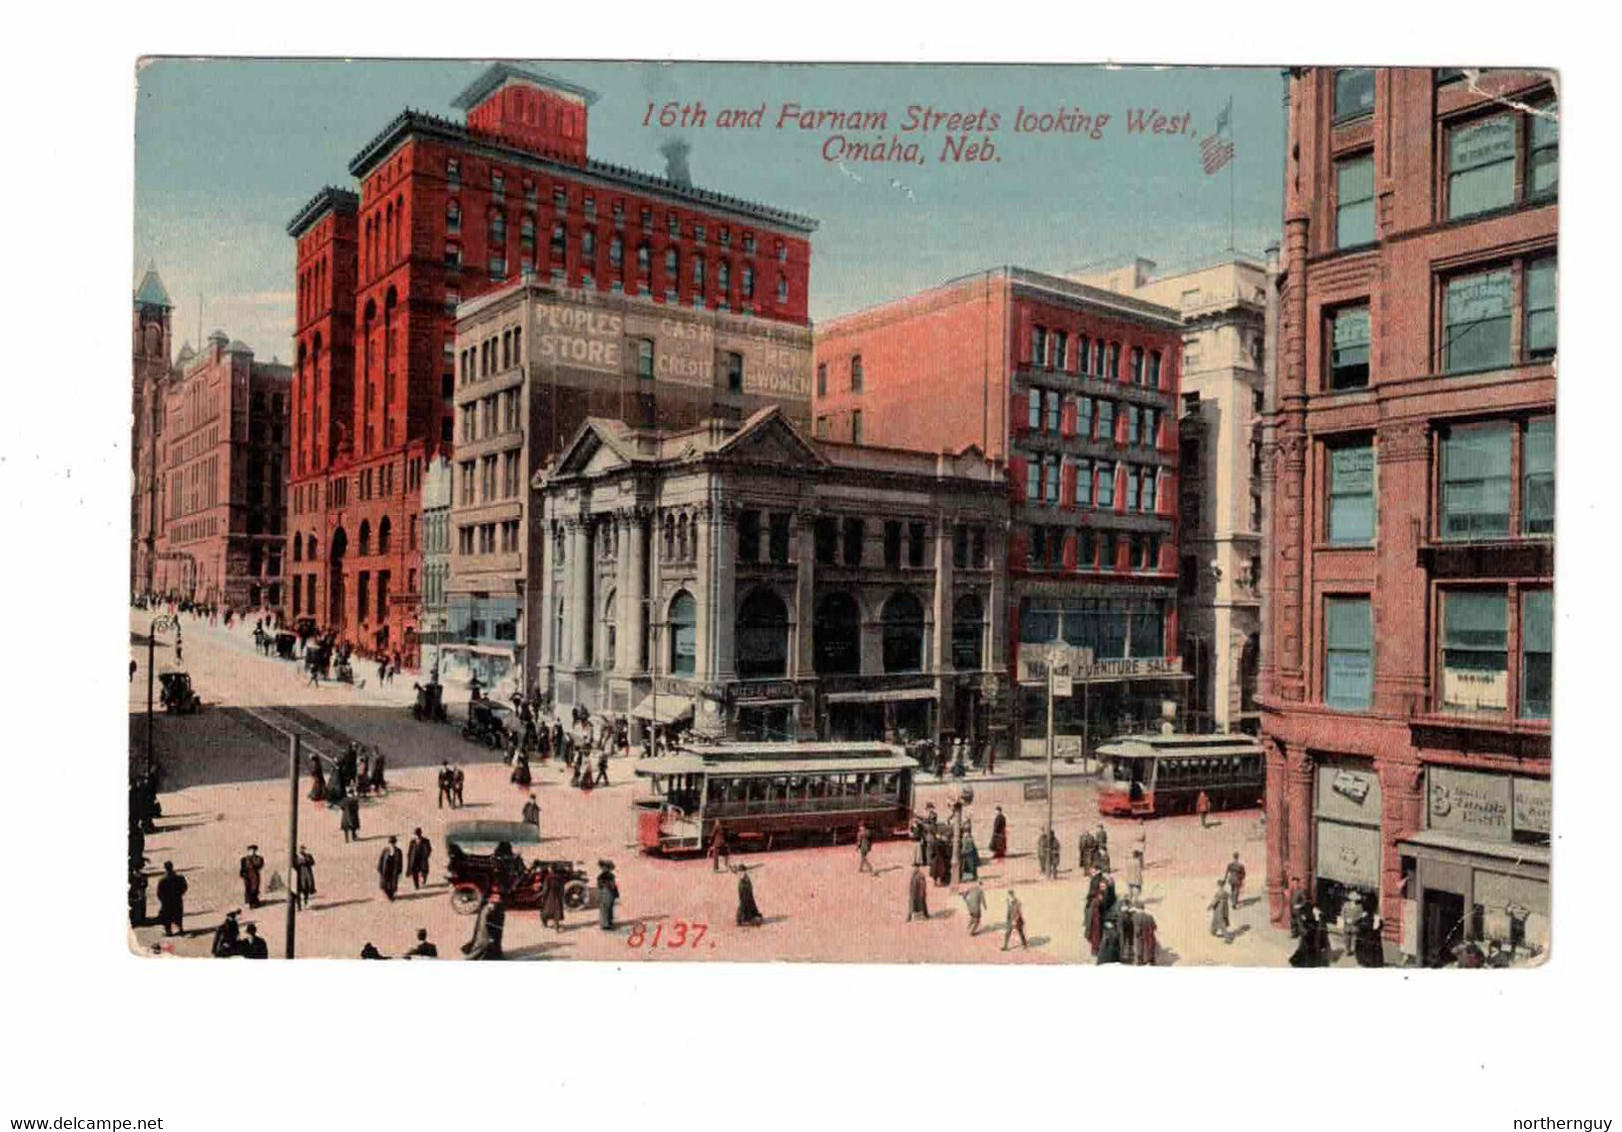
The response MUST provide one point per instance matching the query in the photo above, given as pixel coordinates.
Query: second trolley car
(1151, 775)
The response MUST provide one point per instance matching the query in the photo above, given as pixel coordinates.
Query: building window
(1035, 401)
(856, 427)
(1084, 424)
(1354, 201)
(453, 171)
(683, 634)
(777, 546)
(1106, 420)
(915, 544)
(1481, 166)
(968, 632)
(1351, 495)
(853, 532)
(822, 428)
(453, 218)
(1155, 359)
(826, 536)
(1539, 317)
(1475, 651)
(762, 636)
(782, 287)
(1106, 484)
(892, 544)
(1050, 492)
(1084, 483)
(1354, 92)
(644, 359)
(822, 379)
(1112, 362)
(1137, 365)
(856, 373)
(903, 619)
(836, 633)
(1151, 484)
(749, 537)
(1131, 488)
(734, 373)
(1349, 349)
(1476, 481)
(1051, 400)
(1537, 653)
(1033, 482)
(1476, 331)
(1537, 477)
(1349, 653)
(1543, 156)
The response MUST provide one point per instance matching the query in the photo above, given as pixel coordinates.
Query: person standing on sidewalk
(608, 894)
(917, 895)
(1202, 806)
(390, 863)
(864, 846)
(975, 898)
(447, 793)
(172, 900)
(424, 949)
(1219, 913)
(350, 822)
(1236, 880)
(1015, 921)
(718, 849)
(999, 836)
(532, 812)
(458, 781)
(251, 869)
(417, 854)
(304, 877)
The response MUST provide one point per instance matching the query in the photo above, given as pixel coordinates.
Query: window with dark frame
(1354, 92)
(1349, 348)
(1475, 651)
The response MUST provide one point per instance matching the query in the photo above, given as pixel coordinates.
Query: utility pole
(292, 841)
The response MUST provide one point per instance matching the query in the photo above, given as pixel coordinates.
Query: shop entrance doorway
(1443, 922)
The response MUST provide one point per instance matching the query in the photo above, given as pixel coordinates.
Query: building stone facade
(769, 586)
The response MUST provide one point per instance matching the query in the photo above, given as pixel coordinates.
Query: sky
(227, 151)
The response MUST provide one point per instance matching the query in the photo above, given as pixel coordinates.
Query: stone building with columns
(1407, 675)
(769, 586)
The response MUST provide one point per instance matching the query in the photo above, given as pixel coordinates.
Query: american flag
(1216, 149)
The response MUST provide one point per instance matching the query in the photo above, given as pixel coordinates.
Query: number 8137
(680, 934)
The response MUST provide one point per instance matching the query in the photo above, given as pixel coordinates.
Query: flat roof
(768, 768)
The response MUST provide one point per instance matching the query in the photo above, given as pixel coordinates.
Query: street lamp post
(292, 841)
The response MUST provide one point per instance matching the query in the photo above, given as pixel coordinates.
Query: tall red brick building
(1407, 674)
(1076, 388)
(445, 212)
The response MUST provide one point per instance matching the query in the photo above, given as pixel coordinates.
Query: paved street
(227, 788)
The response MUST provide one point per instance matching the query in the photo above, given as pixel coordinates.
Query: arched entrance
(336, 613)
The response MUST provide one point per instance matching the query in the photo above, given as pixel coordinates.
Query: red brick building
(1407, 667)
(445, 212)
(1076, 388)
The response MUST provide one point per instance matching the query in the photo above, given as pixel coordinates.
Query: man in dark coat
(1092, 919)
(350, 821)
(1089, 848)
(424, 949)
(1109, 946)
(172, 900)
(532, 812)
(458, 781)
(608, 894)
(1370, 941)
(999, 835)
(417, 854)
(390, 863)
(748, 911)
(1127, 926)
(917, 896)
(488, 927)
(377, 771)
(224, 945)
(1145, 947)
(1015, 921)
(447, 792)
(251, 869)
(303, 877)
(1298, 907)
(602, 769)
(1236, 879)
(253, 947)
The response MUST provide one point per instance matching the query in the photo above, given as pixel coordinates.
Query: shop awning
(894, 695)
(670, 708)
(1439, 842)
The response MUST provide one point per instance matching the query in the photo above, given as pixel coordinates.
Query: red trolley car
(1151, 775)
(773, 794)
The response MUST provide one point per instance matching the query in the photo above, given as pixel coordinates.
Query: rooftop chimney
(675, 153)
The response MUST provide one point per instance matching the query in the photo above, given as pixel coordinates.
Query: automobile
(482, 856)
(178, 695)
(489, 722)
(430, 703)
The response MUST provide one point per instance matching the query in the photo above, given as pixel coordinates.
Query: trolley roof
(693, 763)
(1181, 747)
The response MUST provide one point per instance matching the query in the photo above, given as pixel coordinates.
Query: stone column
(724, 543)
(1402, 487)
(802, 656)
(577, 570)
(1298, 814)
(1402, 814)
(1275, 806)
(944, 597)
(544, 615)
(632, 611)
(704, 639)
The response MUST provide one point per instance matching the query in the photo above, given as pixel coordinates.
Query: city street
(226, 787)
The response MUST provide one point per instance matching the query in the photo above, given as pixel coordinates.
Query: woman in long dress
(748, 910)
(999, 835)
(552, 898)
(318, 781)
(377, 772)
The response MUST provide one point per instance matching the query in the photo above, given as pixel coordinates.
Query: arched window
(610, 629)
(383, 532)
(837, 636)
(298, 547)
(762, 636)
(310, 549)
(683, 634)
(365, 537)
(903, 619)
(968, 632)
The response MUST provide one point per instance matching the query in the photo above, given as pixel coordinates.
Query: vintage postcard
(664, 512)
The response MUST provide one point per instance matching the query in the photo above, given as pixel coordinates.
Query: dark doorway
(1442, 917)
(336, 619)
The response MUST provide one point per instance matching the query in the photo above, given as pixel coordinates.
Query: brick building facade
(1407, 674)
(445, 212)
(1076, 389)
